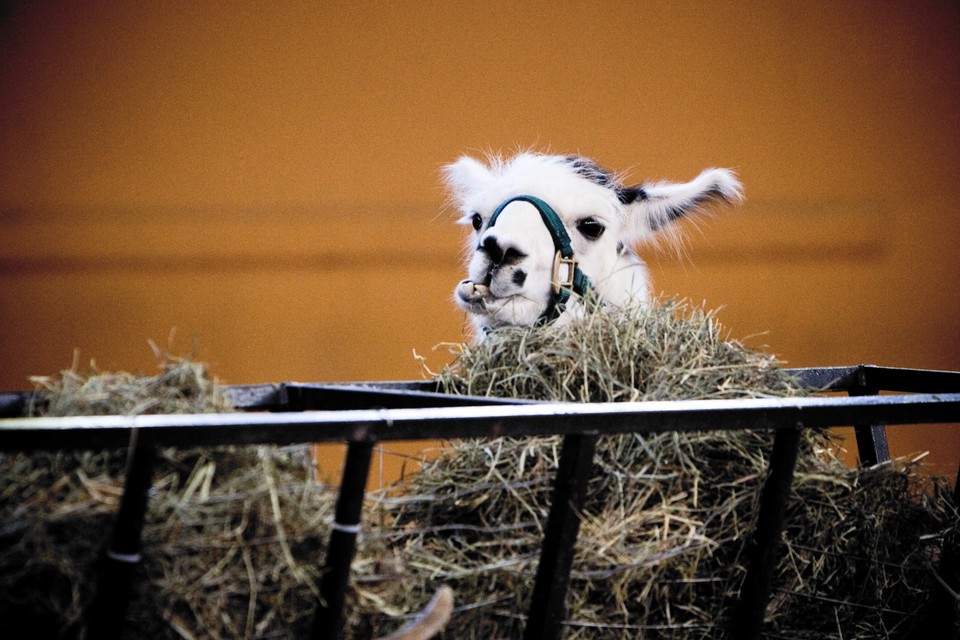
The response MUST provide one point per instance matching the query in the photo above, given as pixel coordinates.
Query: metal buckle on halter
(566, 281)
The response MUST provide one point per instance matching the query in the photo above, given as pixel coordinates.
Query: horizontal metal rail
(296, 396)
(877, 378)
(366, 425)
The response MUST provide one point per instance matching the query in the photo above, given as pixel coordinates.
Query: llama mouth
(472, 292)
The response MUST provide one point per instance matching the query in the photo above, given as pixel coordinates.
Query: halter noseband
(567, 276)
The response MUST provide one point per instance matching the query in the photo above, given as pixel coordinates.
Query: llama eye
(476, 221)
(590, 228)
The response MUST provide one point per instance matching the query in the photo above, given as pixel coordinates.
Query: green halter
(574, 280)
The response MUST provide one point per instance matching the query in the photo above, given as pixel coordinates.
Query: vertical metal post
(328, 620)
(872, 446)
(563, 524)
(108, 610)
(755, 593)
(941, 619)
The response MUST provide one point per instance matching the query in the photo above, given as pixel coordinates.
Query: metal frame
(362, 414)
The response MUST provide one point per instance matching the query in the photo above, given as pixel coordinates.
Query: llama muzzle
(470, 291)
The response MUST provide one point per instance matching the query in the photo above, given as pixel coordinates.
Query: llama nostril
(498, 255)
(492, 248)
(513, 256)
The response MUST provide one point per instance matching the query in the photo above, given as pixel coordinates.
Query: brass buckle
(566, 282)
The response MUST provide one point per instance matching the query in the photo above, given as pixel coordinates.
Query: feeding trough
(562, 516)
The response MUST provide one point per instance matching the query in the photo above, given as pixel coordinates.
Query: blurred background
(264, 177)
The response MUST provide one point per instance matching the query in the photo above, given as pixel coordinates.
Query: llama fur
(510, 266)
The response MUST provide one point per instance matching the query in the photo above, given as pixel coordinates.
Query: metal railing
(363, 414)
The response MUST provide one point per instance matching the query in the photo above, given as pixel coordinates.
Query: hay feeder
(367, 413)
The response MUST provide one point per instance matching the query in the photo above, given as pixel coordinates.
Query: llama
(548, 228)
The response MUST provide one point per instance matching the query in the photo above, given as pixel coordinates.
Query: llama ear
(652, 207)
(466, 175)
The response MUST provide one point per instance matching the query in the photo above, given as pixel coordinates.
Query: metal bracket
(563, 282)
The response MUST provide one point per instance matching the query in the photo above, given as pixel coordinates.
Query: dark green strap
(561, 240)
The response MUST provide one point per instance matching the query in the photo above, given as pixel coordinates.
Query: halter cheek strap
(567, 276)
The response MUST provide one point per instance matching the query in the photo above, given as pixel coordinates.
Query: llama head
(513, 271)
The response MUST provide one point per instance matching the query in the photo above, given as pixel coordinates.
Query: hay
(661, 546)
(235, 536)
(668, 351)
(232, 540)
(182, 386)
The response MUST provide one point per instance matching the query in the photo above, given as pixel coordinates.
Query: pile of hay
(182, 386)
(235, 537)
(661, 547)
(668, 351)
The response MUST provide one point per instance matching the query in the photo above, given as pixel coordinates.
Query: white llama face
(511, 266)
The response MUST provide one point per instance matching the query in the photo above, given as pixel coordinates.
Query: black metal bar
(106, 614)
(14, 405)
(872, 446)
(328, 620)
(547, 607)
(910, 380)
(749, 615)
(826, 378)
(941, 620)
(345, 397)
(258, 397)
(880, 378)
(271, 396)
(478, 421)
(299, 396)
(394, 394)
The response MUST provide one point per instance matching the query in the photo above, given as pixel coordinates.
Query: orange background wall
(264, 176)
